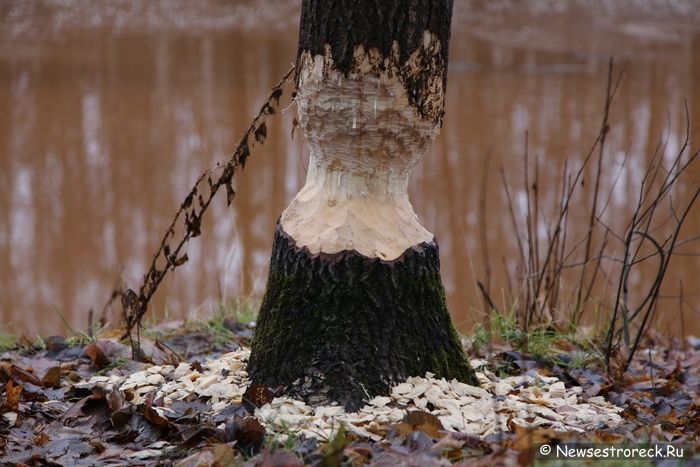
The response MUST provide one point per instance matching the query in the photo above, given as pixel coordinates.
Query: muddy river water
(110, 110)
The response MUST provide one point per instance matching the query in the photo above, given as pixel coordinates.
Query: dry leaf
(425, 422)
(13, 394)
(281, 459)
(52, 378)
(256, 396)
(220, 455)
(248, 433)
(96, 355)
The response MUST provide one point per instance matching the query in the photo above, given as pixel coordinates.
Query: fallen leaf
(41, 439)
(115, 400)
(144, 454)
(184, 412)
(96, 355)
(11, 371)
(420, 421)
(256, 396)
(13, 394)
(248, 433)
(151, 415)
(52, 378)
(208, 433)
(280, 459)
(97, 446)
(218, 456)
(55, 344)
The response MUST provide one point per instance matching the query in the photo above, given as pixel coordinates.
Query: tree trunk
(354, 300)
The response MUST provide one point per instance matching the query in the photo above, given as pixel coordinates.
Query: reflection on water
(103, 129)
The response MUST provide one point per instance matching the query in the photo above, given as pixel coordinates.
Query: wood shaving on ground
(528, 400)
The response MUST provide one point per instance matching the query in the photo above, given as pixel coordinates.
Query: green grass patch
(217, 323)
(8, 341)
(545, 343)
(118, 363)
(233, 311)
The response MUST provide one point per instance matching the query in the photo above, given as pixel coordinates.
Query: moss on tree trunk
(340, 327)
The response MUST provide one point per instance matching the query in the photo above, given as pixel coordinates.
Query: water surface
(109, 112)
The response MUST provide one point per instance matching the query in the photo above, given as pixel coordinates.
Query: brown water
(109, 112)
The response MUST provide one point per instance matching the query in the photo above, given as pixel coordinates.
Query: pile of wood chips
(528, 400)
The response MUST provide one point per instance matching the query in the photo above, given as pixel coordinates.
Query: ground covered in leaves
(82, 401)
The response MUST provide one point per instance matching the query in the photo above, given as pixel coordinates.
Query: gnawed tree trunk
(354, 299)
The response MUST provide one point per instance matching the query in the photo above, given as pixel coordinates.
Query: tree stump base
(344, 327)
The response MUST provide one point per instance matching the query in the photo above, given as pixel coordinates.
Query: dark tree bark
(354, 300)
(383, 25)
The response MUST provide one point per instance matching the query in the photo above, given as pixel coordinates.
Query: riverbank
(81, 400)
